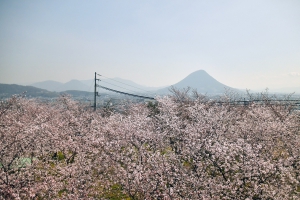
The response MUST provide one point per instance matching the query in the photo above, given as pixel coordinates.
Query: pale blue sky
(244, 44)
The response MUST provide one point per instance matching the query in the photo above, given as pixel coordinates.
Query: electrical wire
(118, 86)
(127, 84)
(144, 97)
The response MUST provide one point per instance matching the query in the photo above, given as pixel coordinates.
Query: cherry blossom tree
(177, 148)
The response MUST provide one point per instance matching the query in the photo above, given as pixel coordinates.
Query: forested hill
(7, 90)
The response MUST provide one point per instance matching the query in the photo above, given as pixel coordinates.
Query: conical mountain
(202, 82)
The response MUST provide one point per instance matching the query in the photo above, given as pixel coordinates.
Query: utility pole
(95, 92)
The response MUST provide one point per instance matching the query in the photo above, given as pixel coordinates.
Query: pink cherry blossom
(179, 148)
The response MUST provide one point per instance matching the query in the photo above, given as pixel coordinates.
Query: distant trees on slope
(7, 90)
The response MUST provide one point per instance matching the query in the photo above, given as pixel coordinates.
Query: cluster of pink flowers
(169, 150)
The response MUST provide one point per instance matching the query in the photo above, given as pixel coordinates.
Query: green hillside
(7, 90)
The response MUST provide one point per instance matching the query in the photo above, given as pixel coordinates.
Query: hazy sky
(244, 44)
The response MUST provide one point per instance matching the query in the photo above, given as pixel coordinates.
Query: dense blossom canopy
(172, 149)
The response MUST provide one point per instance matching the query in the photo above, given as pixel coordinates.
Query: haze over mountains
(55, 86)
(88, 85)
(199, 80)
(202, 82)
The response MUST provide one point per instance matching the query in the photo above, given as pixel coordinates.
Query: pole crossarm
(134, 95)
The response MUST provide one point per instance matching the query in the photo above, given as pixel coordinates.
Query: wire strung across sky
(117, 86)
(120, 92)
(124, 84)
(144, 97)
(140, 96)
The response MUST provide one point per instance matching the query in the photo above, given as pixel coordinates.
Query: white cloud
(294, 74)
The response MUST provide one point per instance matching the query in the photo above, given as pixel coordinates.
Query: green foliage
(188, 163)
(20, 163)
(59, 156)
(23, 162)
(61, 192)
(166, 150)
(114, 192)
(153, 107)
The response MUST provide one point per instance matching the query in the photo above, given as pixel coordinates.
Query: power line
(126, 93)
(117, 91)
(127, 84)
(118, 86)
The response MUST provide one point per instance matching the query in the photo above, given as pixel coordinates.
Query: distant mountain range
(55, 86)
(199, 80)
(88, 85)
